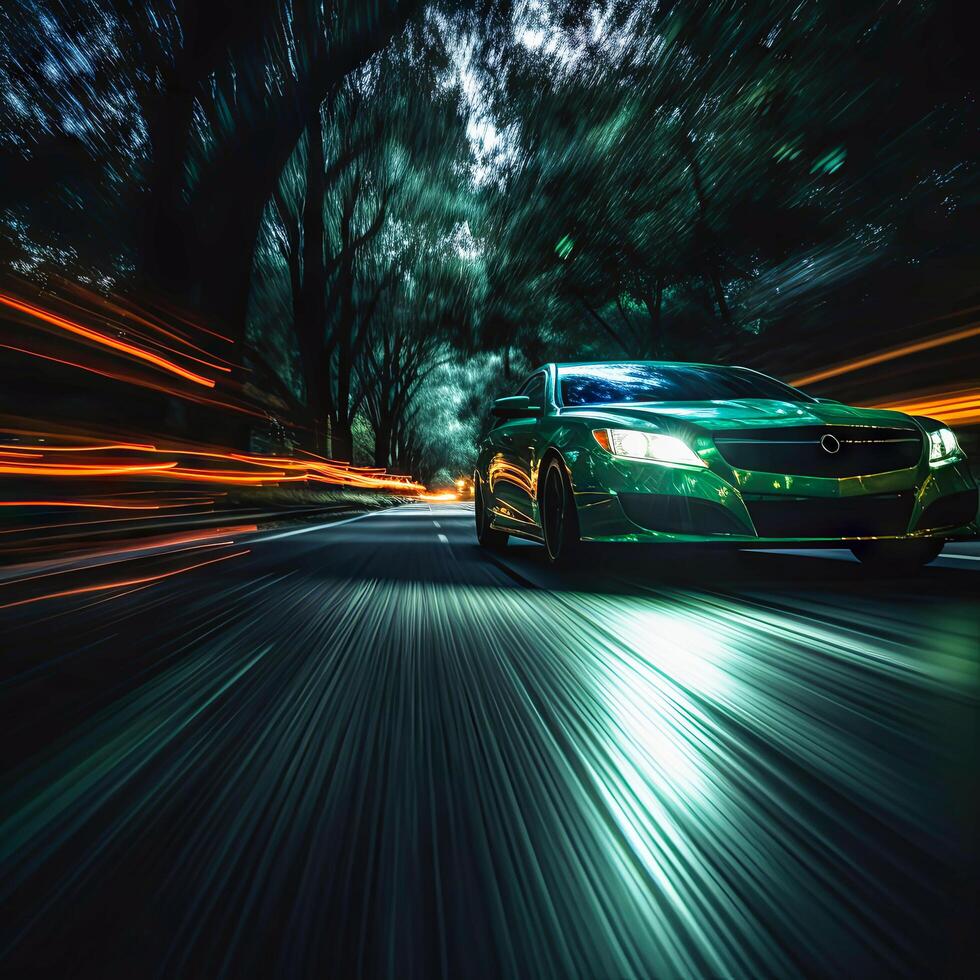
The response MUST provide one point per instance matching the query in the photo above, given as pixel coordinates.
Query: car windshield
(598, 384)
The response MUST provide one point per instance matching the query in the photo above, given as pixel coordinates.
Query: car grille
(843, 517)
(799, 452)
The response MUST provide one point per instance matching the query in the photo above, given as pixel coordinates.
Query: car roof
(560, 365)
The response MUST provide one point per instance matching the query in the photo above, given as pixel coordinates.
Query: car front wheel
(488, 536)
(896, 557)
(559, 519)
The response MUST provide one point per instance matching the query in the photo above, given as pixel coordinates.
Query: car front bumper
(626, 500)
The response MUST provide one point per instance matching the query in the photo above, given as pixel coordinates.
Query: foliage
(395, 209)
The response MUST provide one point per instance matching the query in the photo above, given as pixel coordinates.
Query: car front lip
(603, 517)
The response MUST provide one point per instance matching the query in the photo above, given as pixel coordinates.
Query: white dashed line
(443, 539)
(437, 524)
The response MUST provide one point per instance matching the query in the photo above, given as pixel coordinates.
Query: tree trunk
(654, 301)
(704, 233)
(716, 287)
(598, 319)
(166, 250)
(382, 443)
(228, 202)
(225, 261)
(342, 441)
(311, 304)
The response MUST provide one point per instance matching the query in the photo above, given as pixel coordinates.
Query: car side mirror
(515, 407)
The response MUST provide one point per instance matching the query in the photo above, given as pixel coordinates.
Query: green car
(650, 451)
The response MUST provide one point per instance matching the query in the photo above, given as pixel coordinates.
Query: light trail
(206, 504)
(959, 407)
(127, 311)
(123, 583)
(161, 549)
(138, 382)
(95, 505)
(217, 364)
(53, 469)
(98, 447)
(22, 460)
(259, 470)
(119, 556)
(103, 340)
(964, 333)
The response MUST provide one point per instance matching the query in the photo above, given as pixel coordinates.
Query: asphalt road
(366, 748)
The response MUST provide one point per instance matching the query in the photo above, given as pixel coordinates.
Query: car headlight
(942, 446)
(633, 444)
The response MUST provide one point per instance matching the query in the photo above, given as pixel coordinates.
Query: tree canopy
(392, 209)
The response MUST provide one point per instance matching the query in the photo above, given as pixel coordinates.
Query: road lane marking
(962, 557)
(437, 524)
(322, 527)
(443, 539)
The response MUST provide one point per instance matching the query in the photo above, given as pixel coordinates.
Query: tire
(894, 558)
(559, 518)
(489, 537)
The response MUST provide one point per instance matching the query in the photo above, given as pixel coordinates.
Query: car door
(515, 442)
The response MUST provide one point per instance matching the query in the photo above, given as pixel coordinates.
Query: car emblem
(829, 444)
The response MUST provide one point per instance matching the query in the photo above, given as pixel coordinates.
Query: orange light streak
(53, 469)
(126, 314)
(32, 459)
(105, 341)
(961, 407)
(227, 476)
(138, 446)
(108, 520)
(108, 505)
(891, 354)
(139, 382)
(190, 541)
(123, 584)
(85, 367)
(189, 357)
(126, 309)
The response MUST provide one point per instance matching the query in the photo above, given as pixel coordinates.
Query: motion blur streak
(36, 526)
(92, 448)
(53, 469)
(960, 407)
(123, 583)
(29, 460)
(322, 762)
(139, 382)
(973, 330)
(94, 505)
(99, 338)
(159, 545)
(128, 313)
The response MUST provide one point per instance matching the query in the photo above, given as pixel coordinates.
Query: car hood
(746, 412)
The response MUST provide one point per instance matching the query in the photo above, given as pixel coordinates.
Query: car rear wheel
(896, 557)
(559, 519)
(488, 536)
